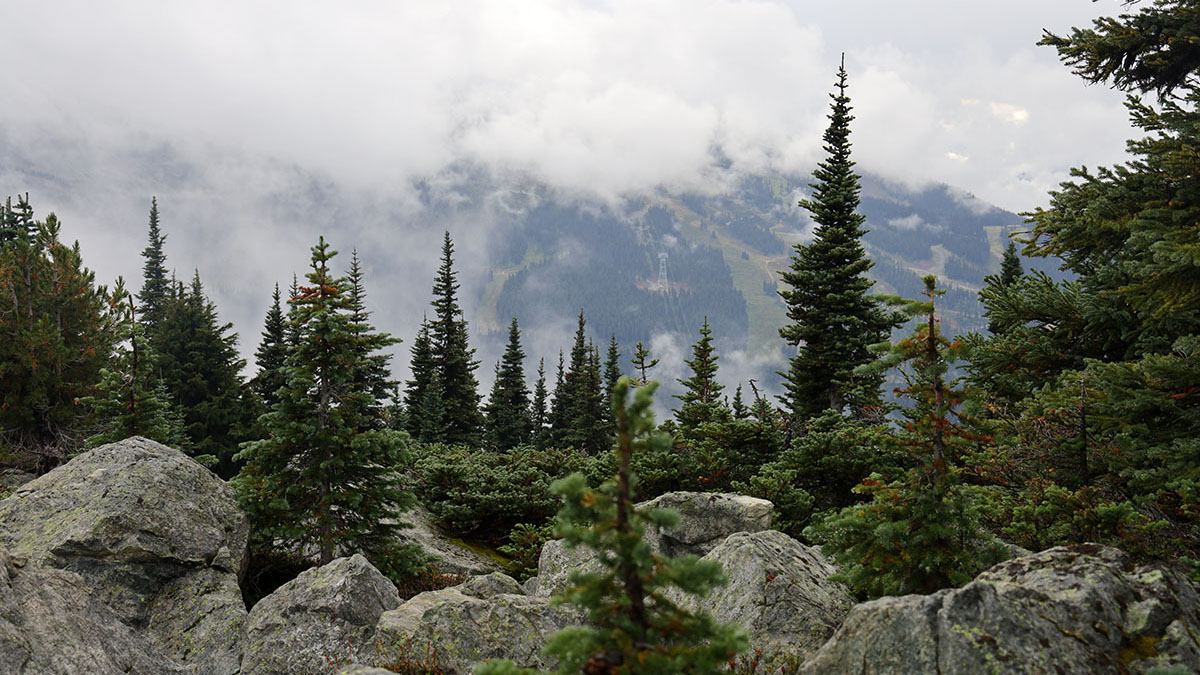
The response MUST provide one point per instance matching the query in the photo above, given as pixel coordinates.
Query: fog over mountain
(259, 128)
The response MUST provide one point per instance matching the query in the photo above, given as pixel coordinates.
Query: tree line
(1072, 418)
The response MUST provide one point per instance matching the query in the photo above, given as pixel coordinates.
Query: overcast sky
(228, 111)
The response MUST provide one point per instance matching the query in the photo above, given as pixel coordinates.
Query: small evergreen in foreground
(920, 533)
(634, 627)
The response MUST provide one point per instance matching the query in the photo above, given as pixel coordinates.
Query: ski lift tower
(662, 271)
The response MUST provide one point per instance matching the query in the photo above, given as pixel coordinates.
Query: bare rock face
(779, 591)
(147, 533)
(1077, 609)
(326, 615)
(452, 558)
(705, 520)
(485, 618)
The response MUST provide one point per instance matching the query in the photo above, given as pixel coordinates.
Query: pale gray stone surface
(327, 613)
(1078, 609)
(148, 533)
(467, 628)
(779, 591)
(452, 558)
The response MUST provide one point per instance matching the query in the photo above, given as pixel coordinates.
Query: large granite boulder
(325, 616)
(1077, 609)
(706, 519)
(779, 591)
(487, 617)
(152, 535)
(52, 624)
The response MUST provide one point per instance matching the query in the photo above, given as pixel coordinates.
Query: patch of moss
(1140, 648)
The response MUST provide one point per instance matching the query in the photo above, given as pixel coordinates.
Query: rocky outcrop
(137, 534)
(326, 615)
(705, 520)
(779, 591)
(1077, 609)
(452, 557)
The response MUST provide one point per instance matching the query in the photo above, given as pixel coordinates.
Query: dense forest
(1073, 417)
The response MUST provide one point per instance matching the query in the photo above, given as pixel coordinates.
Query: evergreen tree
(326, 476)
(581, 420)
(374, 373)
(994, 285)
(832, 319)
(17, 223)
(271, 354)
(558, 404)
(156, 287)
(702, 393)
(636, 625)
(57, 332)
(642, 362)
(130, 400)
(921, 533)
(200, 367)
(453, 356)
(539, 412)
(422, 389)
(612, 373)
(292, 331)
(509, 423)
(740, 411)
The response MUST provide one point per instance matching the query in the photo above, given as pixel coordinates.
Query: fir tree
(509, 423)
(919, 534)
(832, 319)
(453, 356)
(739, 408)
(422, 388)
(57, 331)
(993, 285)
(559, 403)
(635, 624)
(581, 419)
(612, 373)
(374, 373)
(17, 223)
(271, 354)
(130, 401)
(702, 393)
(326, 478)
(642, 362)
(156, 287)
(539, 411)
(199, 364)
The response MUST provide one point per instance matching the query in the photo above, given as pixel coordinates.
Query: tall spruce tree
(326, 477)
(539, 412)
(454, 357)
(374, 373)
(996, 284)
(508, 420)
(612, 373)
(271, 354)
(580, 422)
(422, 388)
(16, 222)
(702, 393)
(832, 319)
(200, 367)
(156, 286)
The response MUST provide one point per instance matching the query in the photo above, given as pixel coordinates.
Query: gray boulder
(1075, 609)
(152, 535)
(779, 591)
(485, 618)
(51, 624)
(326, 615)
(706, 519)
